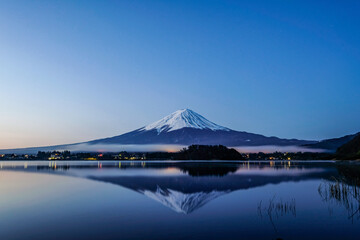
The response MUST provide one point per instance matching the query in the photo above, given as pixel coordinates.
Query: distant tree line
(204, 152)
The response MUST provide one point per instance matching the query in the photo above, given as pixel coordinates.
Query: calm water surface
(157, 200)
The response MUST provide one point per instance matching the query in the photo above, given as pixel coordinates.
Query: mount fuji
(186, 127)
(173, 132)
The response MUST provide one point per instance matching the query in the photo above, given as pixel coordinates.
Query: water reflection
(217, 200)
(343, 190)
(276, 208)
(197, 170)
(201, 184)
(184, 186)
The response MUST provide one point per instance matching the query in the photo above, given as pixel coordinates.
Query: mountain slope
(331, 144)
(181, 128)
(185, 127)
(350, 149)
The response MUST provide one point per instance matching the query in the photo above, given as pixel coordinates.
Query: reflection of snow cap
(182, 202)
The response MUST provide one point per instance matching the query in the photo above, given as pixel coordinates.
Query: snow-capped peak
(181, 119)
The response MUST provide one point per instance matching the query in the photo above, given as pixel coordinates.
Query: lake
(179, 200)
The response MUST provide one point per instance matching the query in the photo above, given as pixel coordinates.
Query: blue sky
(79, 70)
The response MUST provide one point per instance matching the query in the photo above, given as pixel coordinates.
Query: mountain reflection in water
(186, 186)
(201, 184)
(211, 200)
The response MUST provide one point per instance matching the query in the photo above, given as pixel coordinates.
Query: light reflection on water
(178, 200)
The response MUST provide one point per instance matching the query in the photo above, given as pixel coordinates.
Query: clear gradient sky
(72, 71)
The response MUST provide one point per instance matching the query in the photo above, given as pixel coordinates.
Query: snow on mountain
(182, 202)
(184, 118)
(175, 131)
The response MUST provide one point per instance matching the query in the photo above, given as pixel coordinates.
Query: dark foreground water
(153, 200)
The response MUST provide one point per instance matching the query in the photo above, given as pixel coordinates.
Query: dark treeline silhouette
(350, 150)
(159, 155)
(204, 152)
